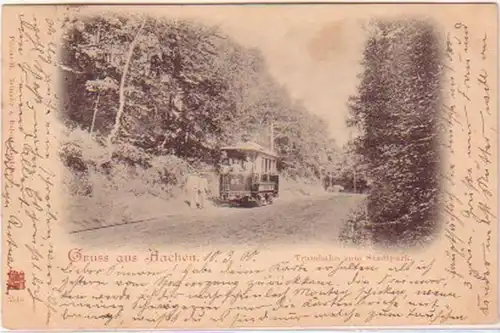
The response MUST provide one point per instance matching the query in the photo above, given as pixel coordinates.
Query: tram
(248, 175)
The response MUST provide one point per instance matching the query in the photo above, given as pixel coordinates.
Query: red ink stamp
(16, 280)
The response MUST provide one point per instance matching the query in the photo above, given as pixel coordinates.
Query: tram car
(248, 175)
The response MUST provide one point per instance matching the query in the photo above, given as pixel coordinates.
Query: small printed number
(15, 299)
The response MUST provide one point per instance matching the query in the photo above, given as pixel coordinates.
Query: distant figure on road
(337, 188)
(327, 181)
(202, 191)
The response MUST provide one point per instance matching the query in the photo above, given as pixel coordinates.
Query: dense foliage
(144, 87)
(396, 109)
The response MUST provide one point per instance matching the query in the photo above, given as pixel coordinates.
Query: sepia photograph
(204, 166)
(205, 132)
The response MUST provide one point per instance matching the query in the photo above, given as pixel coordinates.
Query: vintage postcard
(249, 166)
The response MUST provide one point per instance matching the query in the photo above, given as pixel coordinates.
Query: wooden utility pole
(353, 165)
(271, 136)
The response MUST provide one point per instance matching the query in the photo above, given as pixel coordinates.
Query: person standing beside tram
(202, 191)
(196, 190)
(191, 189)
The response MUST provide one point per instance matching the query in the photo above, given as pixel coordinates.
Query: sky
(317, 63)
(316, 58)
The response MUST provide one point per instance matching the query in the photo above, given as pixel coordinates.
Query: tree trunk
(95, 113)
(121, 106)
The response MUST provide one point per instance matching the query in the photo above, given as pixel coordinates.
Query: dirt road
(306, 219)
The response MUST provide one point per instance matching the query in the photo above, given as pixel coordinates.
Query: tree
(175, 87)
(396, 109)
(123, 80)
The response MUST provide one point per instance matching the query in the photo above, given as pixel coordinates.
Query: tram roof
(251, 146)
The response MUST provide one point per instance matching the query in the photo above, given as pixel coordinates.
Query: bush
(356, 231)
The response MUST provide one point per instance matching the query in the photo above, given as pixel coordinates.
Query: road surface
(305, 219)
